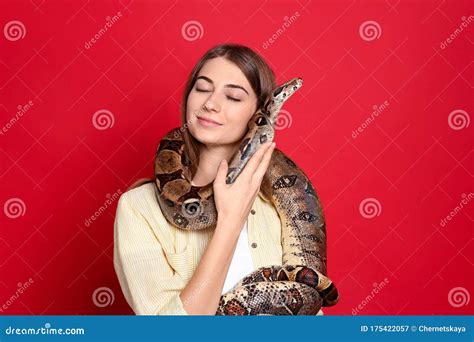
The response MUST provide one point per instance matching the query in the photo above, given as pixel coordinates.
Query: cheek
(238, 120)
(243, 109)
(191, 106)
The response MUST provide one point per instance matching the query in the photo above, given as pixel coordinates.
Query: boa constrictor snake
(299, 286)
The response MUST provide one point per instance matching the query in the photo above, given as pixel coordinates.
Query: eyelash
(206, 91)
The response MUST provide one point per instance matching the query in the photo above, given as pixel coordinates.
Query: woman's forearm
(201, 295)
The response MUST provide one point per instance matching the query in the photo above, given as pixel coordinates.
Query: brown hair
(256, 70)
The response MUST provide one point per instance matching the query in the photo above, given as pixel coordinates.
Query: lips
(208, 120)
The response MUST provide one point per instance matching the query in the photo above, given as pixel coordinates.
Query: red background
(408, 158)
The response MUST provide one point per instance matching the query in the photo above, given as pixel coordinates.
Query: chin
(211, 137)
(206, 136)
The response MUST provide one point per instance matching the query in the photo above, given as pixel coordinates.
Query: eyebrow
(227, 85)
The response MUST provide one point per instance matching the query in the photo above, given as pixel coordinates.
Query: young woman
(169, 271)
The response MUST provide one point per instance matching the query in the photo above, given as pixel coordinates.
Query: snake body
(299, 286)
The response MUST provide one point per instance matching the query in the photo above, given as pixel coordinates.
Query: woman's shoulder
(142, 199)
(147, 190)
(140, 204)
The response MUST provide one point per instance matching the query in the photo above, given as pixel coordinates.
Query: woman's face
(220, 104)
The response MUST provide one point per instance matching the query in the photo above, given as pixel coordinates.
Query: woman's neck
(209, 160)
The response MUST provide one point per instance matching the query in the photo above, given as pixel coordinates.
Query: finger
(254, 161)
(263, 166)
(221, 173)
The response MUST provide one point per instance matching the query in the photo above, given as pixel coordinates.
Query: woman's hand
(234, 201)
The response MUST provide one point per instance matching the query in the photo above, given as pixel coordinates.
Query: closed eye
(233, 99)
(207, 91)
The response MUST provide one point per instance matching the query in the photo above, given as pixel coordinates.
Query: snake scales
(300, 286)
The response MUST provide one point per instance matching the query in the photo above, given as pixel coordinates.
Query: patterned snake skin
(298, 287)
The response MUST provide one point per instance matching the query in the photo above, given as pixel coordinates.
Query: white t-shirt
(241, 264)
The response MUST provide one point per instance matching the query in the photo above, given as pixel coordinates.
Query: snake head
(279, 96)
(283, 92)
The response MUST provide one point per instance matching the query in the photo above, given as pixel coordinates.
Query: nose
(212, 104)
